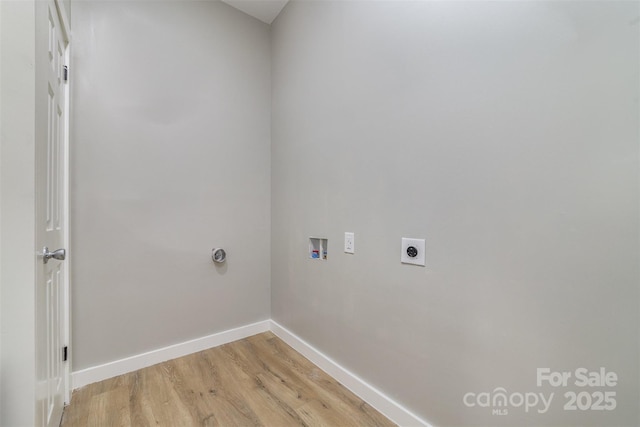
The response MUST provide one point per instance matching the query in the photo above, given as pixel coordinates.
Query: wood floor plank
(136, 409)
(110, 408)
(257, 381)
(195, 390)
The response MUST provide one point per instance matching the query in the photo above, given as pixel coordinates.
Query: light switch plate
(349, 242)
(413, 251)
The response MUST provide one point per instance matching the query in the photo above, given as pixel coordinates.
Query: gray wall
(170, 157)
(506, 134)
(19, 40)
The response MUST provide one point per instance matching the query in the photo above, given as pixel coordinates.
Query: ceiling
(264, 10)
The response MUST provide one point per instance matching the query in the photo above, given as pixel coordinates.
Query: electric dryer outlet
(413, 251)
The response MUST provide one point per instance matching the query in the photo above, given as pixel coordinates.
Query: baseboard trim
(139, 361)
(374, 397)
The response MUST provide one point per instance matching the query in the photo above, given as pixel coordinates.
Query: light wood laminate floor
(257, 381)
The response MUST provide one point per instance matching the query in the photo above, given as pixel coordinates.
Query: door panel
(51, 146)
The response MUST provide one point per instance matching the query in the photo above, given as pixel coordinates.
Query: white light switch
(349, 242)
(412, 251)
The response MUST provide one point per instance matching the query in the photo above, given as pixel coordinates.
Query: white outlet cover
(349, 242)
(418, 251)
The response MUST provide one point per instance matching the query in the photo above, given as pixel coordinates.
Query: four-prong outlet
(412, 251)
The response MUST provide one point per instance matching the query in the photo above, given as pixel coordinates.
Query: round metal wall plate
(218, 255)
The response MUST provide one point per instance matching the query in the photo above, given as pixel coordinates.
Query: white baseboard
(374, 397)
(139, 361)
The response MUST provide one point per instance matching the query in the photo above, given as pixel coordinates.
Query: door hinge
(66, 73)
(65, 351)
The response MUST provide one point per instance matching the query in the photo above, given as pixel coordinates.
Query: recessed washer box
(318, 248)
(413, 251)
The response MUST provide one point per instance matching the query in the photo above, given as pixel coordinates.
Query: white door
(51, 219)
